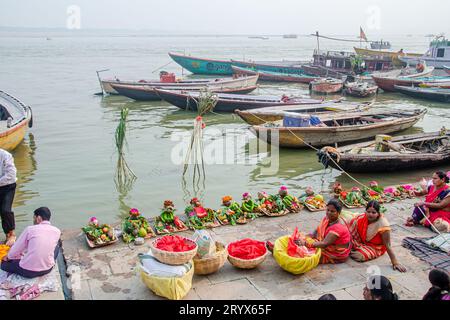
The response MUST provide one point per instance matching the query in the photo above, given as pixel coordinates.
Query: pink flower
(356, 189)
(134, 210)
(408, 187)
(245, 195)
(93, 221)
(284, 188)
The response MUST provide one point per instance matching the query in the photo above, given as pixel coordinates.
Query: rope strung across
(336, 39)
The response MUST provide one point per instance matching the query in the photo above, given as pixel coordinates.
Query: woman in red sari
(436, 206)
(332, 236)
(371, 236)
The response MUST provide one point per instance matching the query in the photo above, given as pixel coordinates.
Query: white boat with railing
(438, 55)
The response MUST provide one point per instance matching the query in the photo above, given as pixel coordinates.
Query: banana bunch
(248, 206)
(167, 216)
(288, 200)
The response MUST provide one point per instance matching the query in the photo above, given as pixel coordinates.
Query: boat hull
(391, 164)
(321, 136)
(187, 102)
(257, 118)
(440, 95)
(388, 83)
(149, 93)
(275, 77)
(393, 55)
(224, 67)
(387, 161)
(11, 137)
(326, 87)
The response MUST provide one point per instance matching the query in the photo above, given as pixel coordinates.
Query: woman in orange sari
(332, 236)
(371, 236)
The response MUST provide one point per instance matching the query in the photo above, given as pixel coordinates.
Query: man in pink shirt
(35, 251)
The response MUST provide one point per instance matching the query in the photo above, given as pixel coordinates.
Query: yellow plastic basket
(173, 288)
(291, 264)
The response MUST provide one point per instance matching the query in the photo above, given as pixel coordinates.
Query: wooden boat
(274, 76)
(339, 128)
(416, 151)
(15, 118)
(107, 84)
(240, 85)
(223, 67)
(392, 55)
(230, 102)
(403, 77)
(434, 94)
(360, 89)
(326, 85)
(271, 114)
(337, 64)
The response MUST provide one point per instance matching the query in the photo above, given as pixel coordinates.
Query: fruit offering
(315, 203)
(369, 195)
(337, 190)
(167, 222)
(200, 217)
(175, 244)
(290, 202)
(407, 190)
(135, 225)
(247, 249)
(99, 234)
(274, 206)
(392, 193)
(248, 206)
(352, 199)
(230, 212)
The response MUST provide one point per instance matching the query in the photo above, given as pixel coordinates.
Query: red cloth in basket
(174, 244)
(247, 249)
(296, 251)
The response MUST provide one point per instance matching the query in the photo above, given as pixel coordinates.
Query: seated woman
(332, 236)
(379, 288)
(436, 206)
(371, 236)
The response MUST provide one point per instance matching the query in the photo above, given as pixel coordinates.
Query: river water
(67, 161)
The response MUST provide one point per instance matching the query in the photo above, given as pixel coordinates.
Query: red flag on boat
(362, 35)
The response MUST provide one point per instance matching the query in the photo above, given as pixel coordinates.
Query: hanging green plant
(205, 103)
(124, 175)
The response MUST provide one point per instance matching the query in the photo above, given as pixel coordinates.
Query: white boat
(438, 55)
(380, 45)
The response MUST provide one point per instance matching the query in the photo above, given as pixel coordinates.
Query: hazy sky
(235, 16)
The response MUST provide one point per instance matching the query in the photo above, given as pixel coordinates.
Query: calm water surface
(67, 161)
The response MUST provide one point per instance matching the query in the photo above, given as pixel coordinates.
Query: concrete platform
(109, 272)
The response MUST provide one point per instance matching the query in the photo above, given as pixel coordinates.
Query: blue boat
(223, 67)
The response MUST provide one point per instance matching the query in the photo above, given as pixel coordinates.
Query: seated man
(34, 253)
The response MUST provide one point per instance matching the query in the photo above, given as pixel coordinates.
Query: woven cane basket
(210, 265)
(173, 258)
